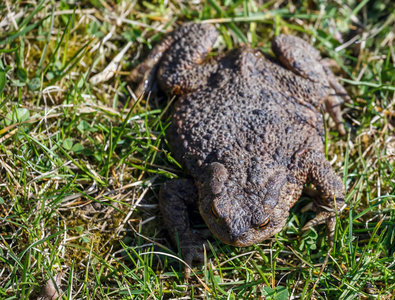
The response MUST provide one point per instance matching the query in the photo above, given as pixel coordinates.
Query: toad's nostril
(244, 235)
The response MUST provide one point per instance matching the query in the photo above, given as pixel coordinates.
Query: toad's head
(243, 211)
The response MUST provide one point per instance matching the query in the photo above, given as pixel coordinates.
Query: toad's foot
(324, 214)
(192, 249)
(174, 199)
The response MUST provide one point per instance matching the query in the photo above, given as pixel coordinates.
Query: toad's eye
(264, 224)
(214, 212)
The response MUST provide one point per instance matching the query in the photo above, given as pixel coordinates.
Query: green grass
(80, 172)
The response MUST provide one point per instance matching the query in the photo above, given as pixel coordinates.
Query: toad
(248, 129)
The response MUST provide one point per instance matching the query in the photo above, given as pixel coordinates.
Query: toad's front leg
(311, 166)
(175, 197)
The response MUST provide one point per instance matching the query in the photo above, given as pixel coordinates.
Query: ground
(82, 157)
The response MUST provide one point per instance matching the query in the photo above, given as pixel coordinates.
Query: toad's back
(246, 114)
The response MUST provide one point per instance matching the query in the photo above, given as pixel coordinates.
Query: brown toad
(249, 131)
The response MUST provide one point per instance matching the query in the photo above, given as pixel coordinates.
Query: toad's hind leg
(182, 68)
(177, 60)
(303, 59)
(311, 166)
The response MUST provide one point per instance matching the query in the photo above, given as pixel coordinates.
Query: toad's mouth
(237, 238)
(241, 237)
(240, 241)
(248, 238)
(245, 239)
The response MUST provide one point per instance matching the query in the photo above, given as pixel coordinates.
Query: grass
(80, 172)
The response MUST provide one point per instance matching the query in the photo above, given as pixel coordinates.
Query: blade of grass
(77, 57)
(22, 32)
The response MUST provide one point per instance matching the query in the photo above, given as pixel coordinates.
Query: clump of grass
(80, 171)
